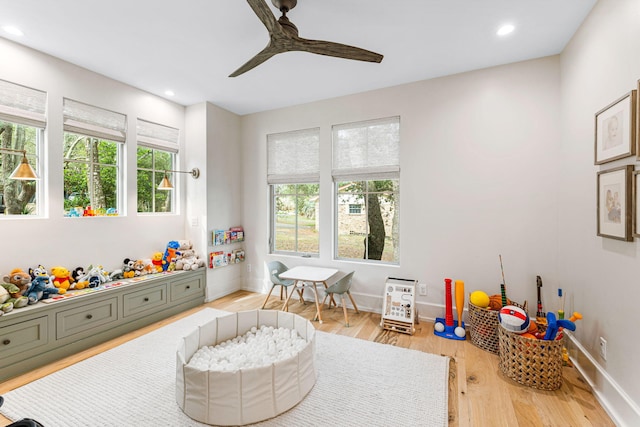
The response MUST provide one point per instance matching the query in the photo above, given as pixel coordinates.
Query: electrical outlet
(248, 268)
(603, 348)
(422, 289)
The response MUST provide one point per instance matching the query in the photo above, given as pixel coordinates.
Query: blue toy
(553, 325)
(40, 288)
(170, 254)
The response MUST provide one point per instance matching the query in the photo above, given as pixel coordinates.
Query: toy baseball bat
(540, 313)
(459, 300)
(448, 320)
(503, 285)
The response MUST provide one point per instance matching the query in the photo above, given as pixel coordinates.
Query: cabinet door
(188, 288)
(147, 299)
(21, 338)
(95, 317)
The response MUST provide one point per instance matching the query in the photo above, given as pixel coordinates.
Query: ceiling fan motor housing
(287, 5)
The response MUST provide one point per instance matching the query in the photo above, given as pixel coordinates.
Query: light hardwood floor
(479, 395)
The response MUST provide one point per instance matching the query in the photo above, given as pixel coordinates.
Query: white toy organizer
(399, 305)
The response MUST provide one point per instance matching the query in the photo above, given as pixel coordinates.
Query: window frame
(273, 216)
(154, 187)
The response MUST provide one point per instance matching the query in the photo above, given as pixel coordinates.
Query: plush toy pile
(258, 347)
(21, 288)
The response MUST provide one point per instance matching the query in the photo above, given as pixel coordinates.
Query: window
(156, 153)
(293, 174)
(366, 173)
(22, 122)
(93, 140)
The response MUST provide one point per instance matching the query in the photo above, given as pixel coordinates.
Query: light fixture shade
(24, 171)
(165, 184)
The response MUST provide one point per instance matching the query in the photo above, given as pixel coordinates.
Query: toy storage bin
(531, 362)
(483, 327)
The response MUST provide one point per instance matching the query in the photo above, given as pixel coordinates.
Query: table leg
(318, 308)
(285, 307)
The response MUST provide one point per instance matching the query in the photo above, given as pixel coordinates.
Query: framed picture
(634, 202)
(614, 203)
(615, 129)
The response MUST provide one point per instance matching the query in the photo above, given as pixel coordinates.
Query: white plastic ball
(460, 332)
(439, 327)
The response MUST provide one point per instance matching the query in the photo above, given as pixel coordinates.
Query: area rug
(360, 383)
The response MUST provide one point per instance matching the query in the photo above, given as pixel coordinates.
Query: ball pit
(257, 383)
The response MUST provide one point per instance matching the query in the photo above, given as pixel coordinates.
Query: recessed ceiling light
(169, 93)
(14, 31)
(505, 29)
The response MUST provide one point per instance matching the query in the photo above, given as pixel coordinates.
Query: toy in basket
(447, 327)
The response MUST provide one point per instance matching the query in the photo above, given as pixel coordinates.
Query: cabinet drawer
(187, 288)
(141, 301)
(21, 337)
(87, 317)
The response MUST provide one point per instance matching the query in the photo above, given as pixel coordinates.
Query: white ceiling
(191, 46)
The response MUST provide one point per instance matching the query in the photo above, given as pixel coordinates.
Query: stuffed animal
(157, 262)
(95, 276)
(188, 260)
(127, 268)
(170, 253)
(16, 283)
(62, 279)
(41, 288)
(78, 276)
(142, 267)
(41, 272)
(5, 306)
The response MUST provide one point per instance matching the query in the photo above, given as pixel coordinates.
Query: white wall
(479, 164)
(74, 242)
(600, 275)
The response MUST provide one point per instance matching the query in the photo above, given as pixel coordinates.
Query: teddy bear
(16, 283)
(62, 279)
(157, 262)
(188, 260)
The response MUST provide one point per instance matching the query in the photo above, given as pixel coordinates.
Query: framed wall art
(635, 200)
(614, 203)
(615, 129)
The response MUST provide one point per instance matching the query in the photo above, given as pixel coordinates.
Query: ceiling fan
(284, 38)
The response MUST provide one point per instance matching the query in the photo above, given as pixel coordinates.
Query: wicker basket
(531, 362)
(483, 327)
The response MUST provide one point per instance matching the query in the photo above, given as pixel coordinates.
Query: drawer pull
(6, 342)
(89, 316)
(188, 287)
(146, 299)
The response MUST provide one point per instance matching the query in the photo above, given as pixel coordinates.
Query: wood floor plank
(479, 394)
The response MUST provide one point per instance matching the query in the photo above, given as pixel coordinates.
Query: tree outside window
(152, 164)
(295, 218)
(90, 175)
(18, 197)
(373, 236)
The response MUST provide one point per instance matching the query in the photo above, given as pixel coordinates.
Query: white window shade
(94, 121)
(294, 157)
(156, 136)
(366, 150)
(21, 104)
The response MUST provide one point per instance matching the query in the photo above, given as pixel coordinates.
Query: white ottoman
(248, 395)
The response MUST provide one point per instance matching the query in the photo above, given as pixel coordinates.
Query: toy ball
(479, 299)
(513, 319)
(460, 332)
(439, 327)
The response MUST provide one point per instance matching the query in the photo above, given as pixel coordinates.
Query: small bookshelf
(227, 237)
(219, 259)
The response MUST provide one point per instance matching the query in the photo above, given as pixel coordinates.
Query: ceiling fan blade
(261, 9)
(262, 56)
(338, 50)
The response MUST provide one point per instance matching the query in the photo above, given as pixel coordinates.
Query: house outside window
(366, 173)
(156, 156)
(22, 123)
(293, 175)
(355, 209)
(93, 141)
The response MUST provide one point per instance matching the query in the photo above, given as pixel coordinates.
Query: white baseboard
(620, 407)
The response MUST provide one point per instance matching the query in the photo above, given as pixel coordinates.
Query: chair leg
(353, 302)
(268, 295)
(344, 309)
